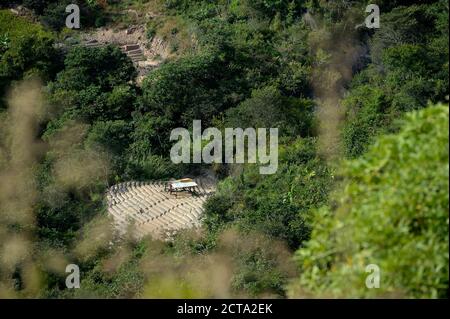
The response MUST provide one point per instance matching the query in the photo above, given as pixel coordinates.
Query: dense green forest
(363, 156)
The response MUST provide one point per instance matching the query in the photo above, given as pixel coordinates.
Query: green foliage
(151, 32)
(367, 106)
(193, 87)
(153, 167)
(150, 135)
(249, 64)
(263, 265)
(106, 67)
(258, 274)
(96, 81)
(61, 212)
(110, 274)
(126, 282)
(26, 48)
(37, 5)
(409, 68)
(112, 135)
(52, 13)
(393, 213)
(276, 205)
(267, 107)
(267, 9)
(59, 220)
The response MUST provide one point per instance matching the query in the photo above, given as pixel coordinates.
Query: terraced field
(147, 208)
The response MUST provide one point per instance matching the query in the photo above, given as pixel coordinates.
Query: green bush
(192, 87)
(276, 205)
(96, 82)
(408, 69)
(393, 212)
(25, 48)
(152, 168)
(267, 107)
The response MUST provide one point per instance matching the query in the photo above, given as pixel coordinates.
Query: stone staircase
(133, 51)
(92, 44)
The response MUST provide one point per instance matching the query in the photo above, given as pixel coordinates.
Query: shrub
(393, 212)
